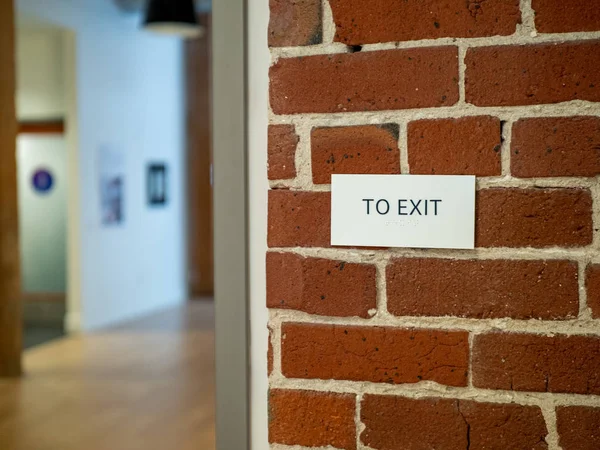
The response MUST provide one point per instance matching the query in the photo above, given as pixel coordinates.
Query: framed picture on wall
(157, 184)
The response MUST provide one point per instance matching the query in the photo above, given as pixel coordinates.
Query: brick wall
(492, 348)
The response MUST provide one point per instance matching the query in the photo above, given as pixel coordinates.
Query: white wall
(40, 76)
(129, 97)
(258, 82)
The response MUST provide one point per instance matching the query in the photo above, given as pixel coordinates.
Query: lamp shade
(174, 17)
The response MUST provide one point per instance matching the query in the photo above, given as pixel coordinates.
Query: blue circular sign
(42, 181)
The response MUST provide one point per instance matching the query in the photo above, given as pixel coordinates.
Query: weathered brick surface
(414, 78)
(508, 217)
(556, 147)
(378, 354)
(320, 286)
(578, 427)
(463, 146)
(533, 74)
(283, 141)
(511, 315)
(483, 289)
(298, 218)
(529, 362)
(566, 16)
(592, 283)
(295, 22)
(370, 149)
(428, 423)
(366, 22)
(312, 419)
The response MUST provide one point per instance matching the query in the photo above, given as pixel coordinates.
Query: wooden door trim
(199, 160)
(42, 127)
(10, 303)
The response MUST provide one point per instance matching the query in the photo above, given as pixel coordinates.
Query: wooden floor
(148, 385)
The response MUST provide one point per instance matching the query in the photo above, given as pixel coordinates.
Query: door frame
(10, 302)
(231, 225)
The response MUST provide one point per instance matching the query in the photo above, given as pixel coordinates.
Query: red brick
(320, 286)
(377, 354)
(436, 423)
(592, 283)
(564, 16)
(294, 23)
(539, 363)
(533, 74)
(282, 152)
(483, 289)
(367, 22)
(312, 419)
(299, 219)
(464, 146)
(556, 147)
(578, 427)
(371, 149)
(365, 81)
(505, 426)
(533, 217)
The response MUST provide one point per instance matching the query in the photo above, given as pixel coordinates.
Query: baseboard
(73, 322)
(43, 313)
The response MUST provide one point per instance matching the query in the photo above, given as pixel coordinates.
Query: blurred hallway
(148, 385)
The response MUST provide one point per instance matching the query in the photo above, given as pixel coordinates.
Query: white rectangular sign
(419, 211)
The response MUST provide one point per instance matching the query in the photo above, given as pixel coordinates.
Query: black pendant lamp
(174, 17)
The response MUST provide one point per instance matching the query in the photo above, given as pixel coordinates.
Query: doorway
(124, 104)
(42, 175)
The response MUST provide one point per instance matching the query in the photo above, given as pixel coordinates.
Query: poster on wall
(111, 164)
